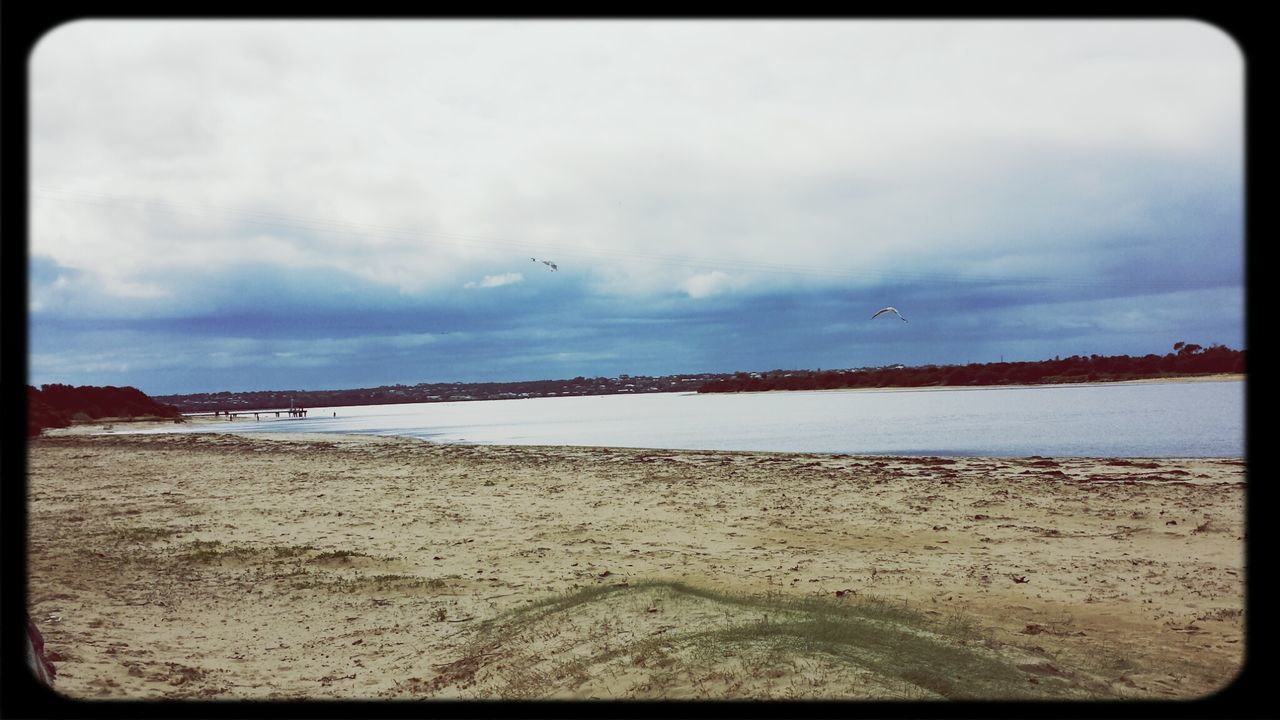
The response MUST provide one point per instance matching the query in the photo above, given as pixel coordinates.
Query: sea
(1128, 419)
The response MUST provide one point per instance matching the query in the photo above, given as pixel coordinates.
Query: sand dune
(226, 566)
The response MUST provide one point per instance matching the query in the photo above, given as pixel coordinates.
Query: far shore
(1220, 377)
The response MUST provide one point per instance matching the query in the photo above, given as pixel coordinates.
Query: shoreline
(1217, 377)
(87, 430)
(235, 566)
(356, 438)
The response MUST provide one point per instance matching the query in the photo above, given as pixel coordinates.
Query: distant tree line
(1186, 359)
(433, 392)
(55, 406)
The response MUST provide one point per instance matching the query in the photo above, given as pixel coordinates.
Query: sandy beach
(229, 566)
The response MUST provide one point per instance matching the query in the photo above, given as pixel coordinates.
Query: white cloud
(492, 281)
(420, 154)
(706, 284)
(134, 290)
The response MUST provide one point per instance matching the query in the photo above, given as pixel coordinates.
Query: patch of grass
(910, 654)
(340, 555)
(522, 682)
(569, 600)
(292, 551)
(405, 582)
(207, 551)
(363, 583)
(144, 534)
(711, 643)
(213, 550)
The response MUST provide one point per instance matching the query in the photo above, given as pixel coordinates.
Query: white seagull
(548, 263)
(882, 311)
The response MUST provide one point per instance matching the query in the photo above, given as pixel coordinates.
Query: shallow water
(1175, 419)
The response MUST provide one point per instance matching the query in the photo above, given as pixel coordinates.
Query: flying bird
(882, 311)
(548, 263)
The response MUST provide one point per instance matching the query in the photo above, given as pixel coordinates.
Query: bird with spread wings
(893, 310)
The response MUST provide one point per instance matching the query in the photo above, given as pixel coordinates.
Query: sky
(306, 204)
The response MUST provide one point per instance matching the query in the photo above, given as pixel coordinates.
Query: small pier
(231, 415)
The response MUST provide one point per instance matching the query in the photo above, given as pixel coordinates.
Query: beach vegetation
(56, 406)
(708, 643)
(311, 579)
(339, 555)
(1187, 359)
(203, 551)
(291, 551)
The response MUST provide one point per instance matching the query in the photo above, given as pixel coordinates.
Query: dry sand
(237, 566)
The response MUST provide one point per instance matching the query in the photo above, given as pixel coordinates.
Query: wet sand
(317, 566)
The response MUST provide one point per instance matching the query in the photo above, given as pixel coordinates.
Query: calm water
(1199, 419)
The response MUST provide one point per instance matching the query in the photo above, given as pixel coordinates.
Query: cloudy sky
(242, 205)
